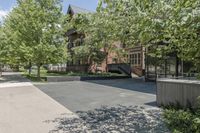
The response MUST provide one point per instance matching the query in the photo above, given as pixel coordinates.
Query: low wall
(81, 78)
(62, 78)
(74, 68)
(173, 91)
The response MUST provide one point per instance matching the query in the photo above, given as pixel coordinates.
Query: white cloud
(3, 14)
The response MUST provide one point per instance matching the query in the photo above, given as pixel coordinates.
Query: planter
(81, 78)
(174, 91)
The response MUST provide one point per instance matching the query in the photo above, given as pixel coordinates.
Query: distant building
(82, 65)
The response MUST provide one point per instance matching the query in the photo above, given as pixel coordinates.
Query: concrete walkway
(25, 109)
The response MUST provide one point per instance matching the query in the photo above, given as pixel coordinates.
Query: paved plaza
(123, 105)
(87, 95)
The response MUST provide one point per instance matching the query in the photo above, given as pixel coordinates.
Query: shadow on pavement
(129, 84)
(114, 119)
(153, 104)
(12, 77)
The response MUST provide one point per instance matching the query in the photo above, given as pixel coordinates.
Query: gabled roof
(76, 10)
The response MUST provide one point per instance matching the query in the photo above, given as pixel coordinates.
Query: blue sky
(6, 5)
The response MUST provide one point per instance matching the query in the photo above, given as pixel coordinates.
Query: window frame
(135, 58)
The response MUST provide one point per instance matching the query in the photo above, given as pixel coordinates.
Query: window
(135, 59)
(139, 58)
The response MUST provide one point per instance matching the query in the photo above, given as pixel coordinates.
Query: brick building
(82, 65)
(136, 61)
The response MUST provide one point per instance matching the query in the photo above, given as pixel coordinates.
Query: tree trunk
(106, 62)
(0, 70)
(16, 68)
(90, 63)
(30, 68)
(66, 67)
(38, 71)
(177, 66)
(156, 76)
(165, 68)
(146, 65)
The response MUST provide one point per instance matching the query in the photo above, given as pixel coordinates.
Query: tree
(38, 33)
(2, 47)
(5, 48)
(174, 24)
(98, 40)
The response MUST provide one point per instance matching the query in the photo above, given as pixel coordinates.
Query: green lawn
(45, 73)
(33, 76)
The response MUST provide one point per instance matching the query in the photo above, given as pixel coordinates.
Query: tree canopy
(98, 40)
(167, 25)
(33, 29)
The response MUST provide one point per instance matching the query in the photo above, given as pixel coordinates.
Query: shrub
(183, 120)
(198, 77)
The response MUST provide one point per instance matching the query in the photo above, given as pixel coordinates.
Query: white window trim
(132, 60)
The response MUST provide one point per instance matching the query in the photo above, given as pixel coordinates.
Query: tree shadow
(120, 119)
(12, 77)
(153, 104)
(128, 84)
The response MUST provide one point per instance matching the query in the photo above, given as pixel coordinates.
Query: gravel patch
(120, 119)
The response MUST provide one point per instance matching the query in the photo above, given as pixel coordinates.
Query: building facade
(83, 65)
(136, 62)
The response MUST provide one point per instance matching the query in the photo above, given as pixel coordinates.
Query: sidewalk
(25, 109)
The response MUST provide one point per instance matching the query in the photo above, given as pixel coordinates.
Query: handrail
(125, 71)
(121, 67)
